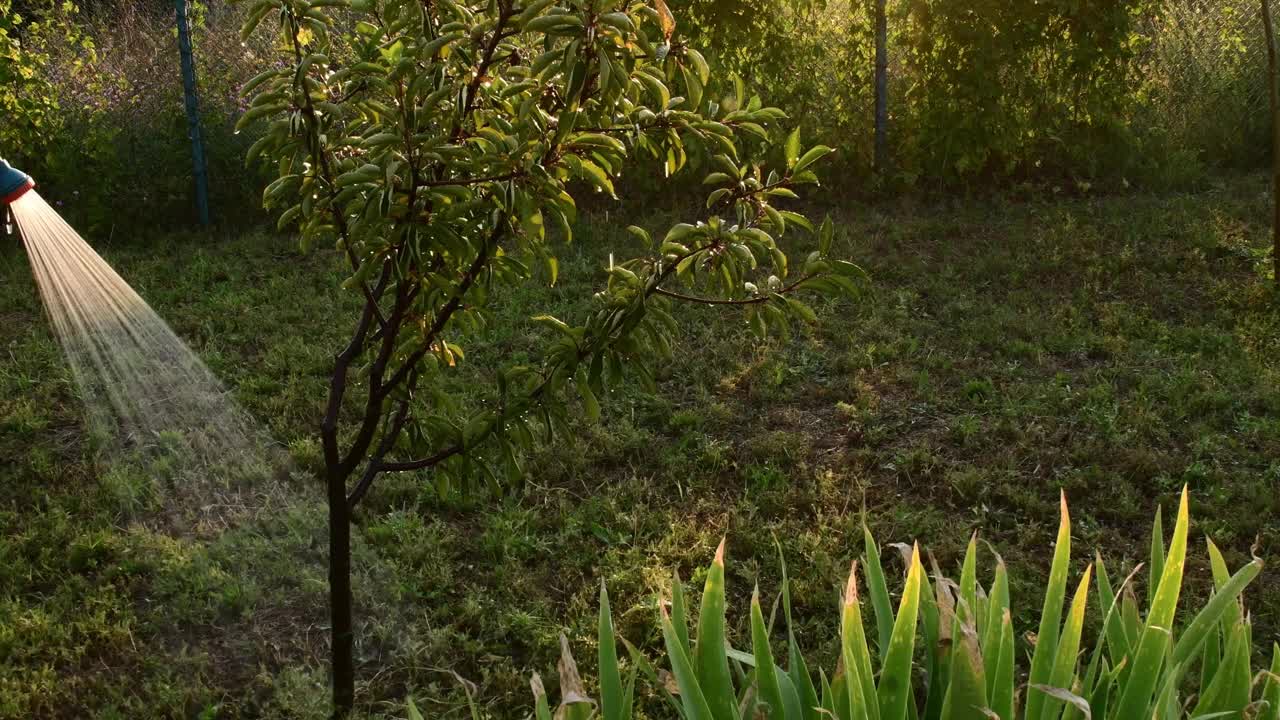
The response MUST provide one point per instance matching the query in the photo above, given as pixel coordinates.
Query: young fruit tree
(440, 144)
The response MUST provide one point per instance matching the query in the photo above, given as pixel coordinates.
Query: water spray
(153, 409)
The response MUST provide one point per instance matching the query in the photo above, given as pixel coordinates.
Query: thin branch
(338, 381)
(710, 301)
(468, 181)
(724, 301)
(384, 446)
(450, 307)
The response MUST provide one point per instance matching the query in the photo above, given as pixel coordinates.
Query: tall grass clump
(950, 651)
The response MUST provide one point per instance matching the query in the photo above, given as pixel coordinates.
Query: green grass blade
(840, 695)
(790, 698)
(1141, 679)
(966, 695)
(1231, 686)
(798, 672)
(680, 612)
(611, 697)
(1271, 692)
(710, 659)
(766, 672)
(574, 703)
(863, 702)
(1210, 656)
(938, 605)
(1101, 692)
(1087, 688)
(1221, 576)
(541, 710)
(692, 698)
(1130, 620)
(1156, 568)
(641, 664)
(968, 600)
(797, 668)
(894, 690)
(1064, 664)
(1050, 616)
(1003, 688)
(1117, 644)
(629, 692)
(1167, 706)
(997, 608)
(1223, 604)
(879, 591)
(828, 703)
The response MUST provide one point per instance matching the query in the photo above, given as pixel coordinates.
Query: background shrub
(994, 92)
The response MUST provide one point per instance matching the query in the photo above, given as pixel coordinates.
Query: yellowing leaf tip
(851, 587)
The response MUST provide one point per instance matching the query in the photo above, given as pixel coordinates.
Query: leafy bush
(1138, 666)
(1000, 90)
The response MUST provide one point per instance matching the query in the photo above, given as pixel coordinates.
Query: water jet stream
(153, 406)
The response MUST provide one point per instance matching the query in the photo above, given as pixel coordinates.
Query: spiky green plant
(1140, 666)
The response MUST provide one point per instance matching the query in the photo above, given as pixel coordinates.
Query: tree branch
(724, 301)
(468, 181)
(450, 307)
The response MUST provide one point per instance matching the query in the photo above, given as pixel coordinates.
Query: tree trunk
(340, 594)
(1275, 140)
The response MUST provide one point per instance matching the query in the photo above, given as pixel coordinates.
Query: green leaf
(894, 690)
(1271, 692)
(804, 311)
(814, 154)
(541, 709)
(997, 607)
(1222, 606)
(1156, 567)
(709, 656)
(1050, 615)
(611, 697)
(860, 680)
(1064, 666)
(766, 672)
(967, 690)
(1003, 687)
(589, 402)
(791, 149)
(1229, 691)
(826, 234)
(1152, 646)
(692, 698)
(679, 613)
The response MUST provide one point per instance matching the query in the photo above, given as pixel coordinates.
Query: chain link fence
(1205, 66)
(1195, 95)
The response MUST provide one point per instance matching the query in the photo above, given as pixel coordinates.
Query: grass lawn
(1116, 348)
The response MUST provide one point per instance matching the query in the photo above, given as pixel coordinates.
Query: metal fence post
(193, 112)
(882, 88)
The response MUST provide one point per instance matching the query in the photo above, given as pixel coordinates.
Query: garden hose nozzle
(13, 183)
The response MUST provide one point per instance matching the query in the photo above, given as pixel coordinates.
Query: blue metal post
(193, 112)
